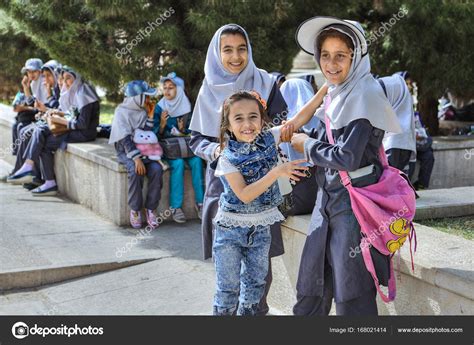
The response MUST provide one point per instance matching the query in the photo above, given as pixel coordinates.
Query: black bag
(176, 147)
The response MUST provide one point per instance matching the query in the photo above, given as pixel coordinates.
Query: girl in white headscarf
(400, 147)
(136, 113)
(172, 117)
(229, 68)
(84, 106)
(359, 114)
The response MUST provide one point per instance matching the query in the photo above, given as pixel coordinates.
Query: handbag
(56, 128)
(384, 211)
(177, 147)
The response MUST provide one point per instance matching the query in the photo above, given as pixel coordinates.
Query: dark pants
(41, 147)
(321, 305)
(398, 158)
(426, 159)
(23, 119)
(154, 173)
(25, 134)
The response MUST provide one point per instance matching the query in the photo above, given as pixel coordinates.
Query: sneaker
(26, 177)
(198, 208)
(135, 219)
(178, 215)
(152, 219)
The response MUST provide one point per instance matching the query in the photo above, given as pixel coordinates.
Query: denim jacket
(254, 161)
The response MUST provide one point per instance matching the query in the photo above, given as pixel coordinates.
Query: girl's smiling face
(68, 79)
(245, 120)
(234, 53)
(48, 78)
(335, 60)
(169, 90)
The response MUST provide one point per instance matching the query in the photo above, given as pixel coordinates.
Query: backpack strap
(369, 264)
(345, 179)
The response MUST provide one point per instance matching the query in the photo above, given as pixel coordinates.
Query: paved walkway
(52, 240)
(57, 257)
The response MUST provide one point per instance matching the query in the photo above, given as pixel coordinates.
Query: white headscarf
(38, 89)
(53, 66)
(219, 84)
(297, 92)
(359, 96)
(400, 98)
(179, 105)
(129, 115)
(78, 95)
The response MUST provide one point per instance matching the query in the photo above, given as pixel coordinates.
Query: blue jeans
(177, 180)
(241, 260)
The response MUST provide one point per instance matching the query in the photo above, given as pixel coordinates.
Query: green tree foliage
(111, 42)
(15, 48)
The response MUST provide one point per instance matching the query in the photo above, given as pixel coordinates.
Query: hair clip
(259, 98)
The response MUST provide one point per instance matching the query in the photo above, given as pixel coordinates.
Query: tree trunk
(428, 108)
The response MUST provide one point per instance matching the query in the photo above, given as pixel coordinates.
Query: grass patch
(459, 226)
(107, 110)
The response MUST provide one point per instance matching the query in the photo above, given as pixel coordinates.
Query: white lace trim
(263, 218)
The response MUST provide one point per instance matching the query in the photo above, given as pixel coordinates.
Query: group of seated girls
(137, 125)
(56, 106)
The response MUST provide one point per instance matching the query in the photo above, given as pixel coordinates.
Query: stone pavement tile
(168, 286)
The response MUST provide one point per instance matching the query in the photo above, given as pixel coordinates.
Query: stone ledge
(99, 152)
(89, 174)
(445, 270)
(443, 143)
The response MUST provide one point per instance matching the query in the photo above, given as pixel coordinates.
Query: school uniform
(179, 108)
(43, 143)
(358, 112)
(22, 118)
(328, 267)
(218, 84)
(130, 115)
(400, 147)
(25, 133)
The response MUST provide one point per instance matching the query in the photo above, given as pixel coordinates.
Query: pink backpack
(385, 212)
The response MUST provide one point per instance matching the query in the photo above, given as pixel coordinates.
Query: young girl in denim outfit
(249, 172)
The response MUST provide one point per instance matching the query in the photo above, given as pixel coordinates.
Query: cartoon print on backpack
(400, 228)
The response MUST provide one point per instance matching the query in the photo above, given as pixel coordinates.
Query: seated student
(174, 113)
(136, 112)
(297, 92)
(399, 147)
(33, 90)
(51, 74)
(50, 71)
(81, 126)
